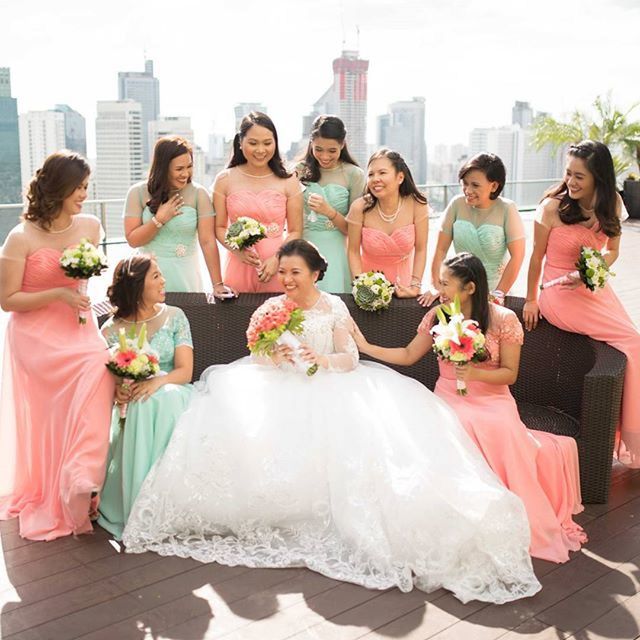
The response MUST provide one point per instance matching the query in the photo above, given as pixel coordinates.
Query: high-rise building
(144, 88)
(10, 176)
(347, 99)
(119, 161)
(243, 108)
(522, 114)
(75, 129)
(169, 126)
(402, 130)
(41, 134)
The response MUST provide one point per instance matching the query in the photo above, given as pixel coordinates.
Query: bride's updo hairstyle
(468, 268)
(307, 252)
(126, 289)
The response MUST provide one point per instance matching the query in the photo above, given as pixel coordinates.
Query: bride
(357, 472)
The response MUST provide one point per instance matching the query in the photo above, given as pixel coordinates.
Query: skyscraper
(402, 130)
(119, 155)
(169, 126)
(346, 98)
(144, 88)
(41, 134)
(75, 129)
(522, 114)
(10, 178)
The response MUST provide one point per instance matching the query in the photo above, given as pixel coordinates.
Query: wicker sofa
(568, 383)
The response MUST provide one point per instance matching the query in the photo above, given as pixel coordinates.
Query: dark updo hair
(331, 128)
(261, 120)
(407, 186)
(308, 252)
(127, 287)
(599, 162)
(468, 268)
(164, 152)
(492, 167)
(60, 175)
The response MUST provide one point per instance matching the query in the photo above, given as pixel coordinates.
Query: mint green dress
(484, 232)
(149, 424)
(175, 246)
(339, 187)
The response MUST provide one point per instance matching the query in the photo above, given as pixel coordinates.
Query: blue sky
(469, 59)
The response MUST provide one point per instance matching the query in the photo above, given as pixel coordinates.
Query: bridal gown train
(357, 472)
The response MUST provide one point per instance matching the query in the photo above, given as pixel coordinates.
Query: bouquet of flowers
(277, 322)
(372, 291)
(592, 269)
(457, 340)
(82, 261)
(132, 359)
(244, 233)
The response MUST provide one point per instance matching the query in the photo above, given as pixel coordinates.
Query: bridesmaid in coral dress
(540, 468)
(56, 391)
(388, 226)
(585, 210)
(256, 184)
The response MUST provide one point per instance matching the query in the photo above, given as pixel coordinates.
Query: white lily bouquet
(244, 233)
(82, 261)
(592, 269)
(372, 291)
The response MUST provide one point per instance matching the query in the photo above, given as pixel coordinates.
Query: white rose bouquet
(592, 269)
(244, 233)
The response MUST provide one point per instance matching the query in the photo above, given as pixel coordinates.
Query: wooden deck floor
(88, 588)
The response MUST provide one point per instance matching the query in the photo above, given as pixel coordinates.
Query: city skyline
(470, 63)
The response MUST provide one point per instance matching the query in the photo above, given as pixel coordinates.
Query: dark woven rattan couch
(568, 383)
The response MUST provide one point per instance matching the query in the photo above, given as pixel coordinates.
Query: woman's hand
(74, 299)
(573, 281)
(358, 337)
(249, 256)
(170, 209)
(268, 269)
(281, 353)
(318, 204)
(407, 292)
(144, 389)
(464, 372)
(531, 314)
(223, 291)
(427, 298)
(310, 356)
(123, 392)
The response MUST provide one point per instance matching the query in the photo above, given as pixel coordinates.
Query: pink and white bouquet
(592, 269)
(458, 340)
(82, 261)
(132, 359)
(244, 233)
(277, 322)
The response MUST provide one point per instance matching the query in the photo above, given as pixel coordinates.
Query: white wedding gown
(358, 472)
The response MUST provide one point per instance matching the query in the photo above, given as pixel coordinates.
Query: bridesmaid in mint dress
(333, 180)
(153, 405)
(169, 216)
(483, 223)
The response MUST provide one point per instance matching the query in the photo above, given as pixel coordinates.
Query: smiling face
(154, 283)
(296, 278)
(579, 180)
(180, 171)
(449, 286)
(382, 178)
(326, 151)
(258, 147)
(72, 204)
(477, 189)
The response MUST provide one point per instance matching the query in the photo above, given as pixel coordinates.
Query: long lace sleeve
(345, 356)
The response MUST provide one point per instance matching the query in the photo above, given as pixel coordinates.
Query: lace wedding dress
(358, 472)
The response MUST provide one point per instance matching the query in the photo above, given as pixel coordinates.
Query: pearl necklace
(389, 218)
(251, 175)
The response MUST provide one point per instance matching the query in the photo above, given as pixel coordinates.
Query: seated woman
(153, 405)
(272, 468)
(540, 468)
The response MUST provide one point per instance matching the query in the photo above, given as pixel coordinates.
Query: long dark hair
(127, 287)
(332, 128)
(308, 252)
(468, 268)
(60, 175)
(164, 152)
(407, 186)
(261, 120)
(599, 163)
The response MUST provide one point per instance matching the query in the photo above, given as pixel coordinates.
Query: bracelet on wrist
(497, 293)
(157, 222)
